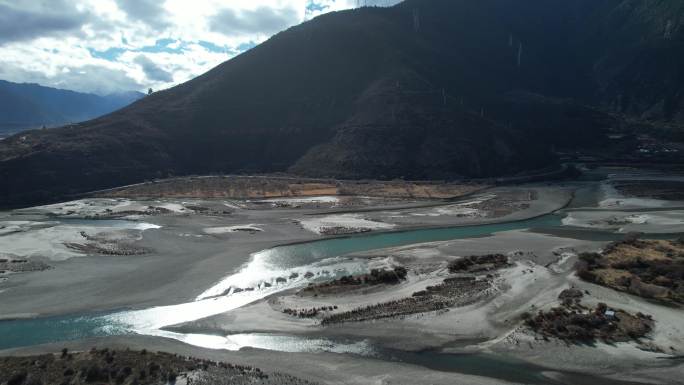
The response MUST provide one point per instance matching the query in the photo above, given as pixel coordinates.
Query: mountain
(25, 106)
(425, 89)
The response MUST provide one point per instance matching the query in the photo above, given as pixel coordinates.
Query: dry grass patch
(648, 268)
(257, 187)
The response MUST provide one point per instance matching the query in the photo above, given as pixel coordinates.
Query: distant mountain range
(422, 90)
(24, 106)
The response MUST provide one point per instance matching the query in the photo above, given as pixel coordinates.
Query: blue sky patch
(162, 45)
(246, 46)
(312, 6)
(211, 46)
(110, 54)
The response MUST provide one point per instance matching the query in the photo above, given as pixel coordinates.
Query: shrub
(601, 308)
(571, 293)
(459, 265)
(17, 379)
(465, 263)
(34, 381)
(401, 272)
(632, 238)
(590, 258)
(586, 275)
(96, 374)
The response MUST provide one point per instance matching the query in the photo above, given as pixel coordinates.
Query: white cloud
(22, 20)
(152, 71)
(106, 46)
(262, 20)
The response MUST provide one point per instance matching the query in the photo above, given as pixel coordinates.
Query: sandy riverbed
(189, 253)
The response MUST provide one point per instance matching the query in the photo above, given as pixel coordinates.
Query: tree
(150, 91)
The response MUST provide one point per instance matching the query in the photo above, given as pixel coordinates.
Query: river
(321, 258)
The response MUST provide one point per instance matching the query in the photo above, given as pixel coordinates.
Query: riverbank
(328, 368)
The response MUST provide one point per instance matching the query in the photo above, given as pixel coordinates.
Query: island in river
(340, 282)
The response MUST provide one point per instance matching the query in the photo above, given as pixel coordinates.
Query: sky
(108, 46)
